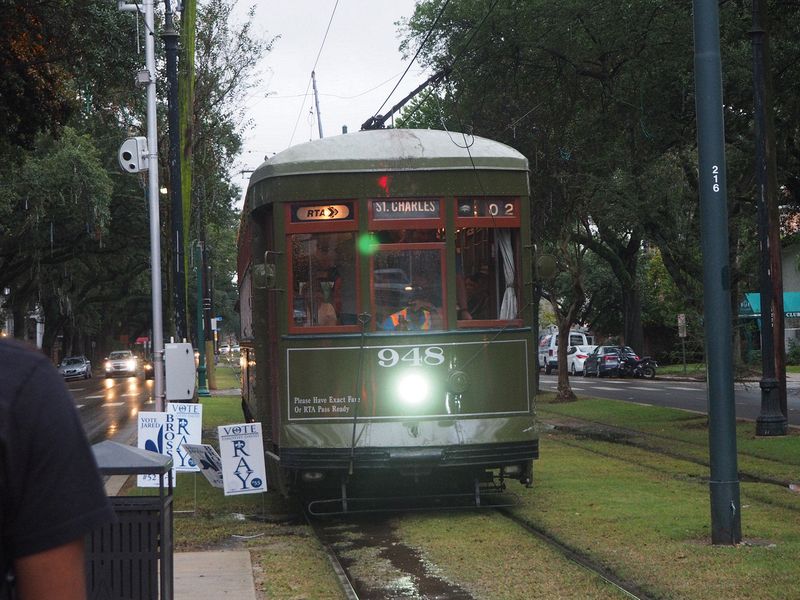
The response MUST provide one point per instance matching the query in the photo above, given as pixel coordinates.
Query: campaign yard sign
(152, 434)
(208, 461)
(184, 426)
(242, 451)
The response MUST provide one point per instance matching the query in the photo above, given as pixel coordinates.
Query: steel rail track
(341, 573)
(674, 454)
(631, 591)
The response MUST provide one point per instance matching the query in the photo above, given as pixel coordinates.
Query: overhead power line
(377, 121)
(316, 60)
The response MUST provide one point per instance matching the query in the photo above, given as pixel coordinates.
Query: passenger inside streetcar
(421, 314)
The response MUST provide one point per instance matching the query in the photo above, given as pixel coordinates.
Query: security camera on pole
(135, 156)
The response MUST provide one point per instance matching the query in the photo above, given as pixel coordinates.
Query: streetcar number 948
(416, 357)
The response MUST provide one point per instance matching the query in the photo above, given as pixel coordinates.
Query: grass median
(644, 510)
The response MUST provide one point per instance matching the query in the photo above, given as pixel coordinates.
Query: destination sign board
(322, 212)
(405, 208)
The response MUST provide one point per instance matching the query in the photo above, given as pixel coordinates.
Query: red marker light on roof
(383, 183)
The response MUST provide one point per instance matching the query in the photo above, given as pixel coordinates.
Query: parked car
(576, 356)
(605, 360)
(601, 361)
(548, 348)
(236, 349)
(224, 349)
(75, 366)
(121, 362)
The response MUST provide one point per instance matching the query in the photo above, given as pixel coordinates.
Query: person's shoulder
(21, 363)
(19, 357)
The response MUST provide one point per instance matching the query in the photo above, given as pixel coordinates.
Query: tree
(225, 61)
(57, 57)
(601, 95)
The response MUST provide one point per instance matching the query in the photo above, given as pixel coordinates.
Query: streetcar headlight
(413, 389)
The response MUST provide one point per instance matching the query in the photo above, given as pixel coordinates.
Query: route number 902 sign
(487, 207)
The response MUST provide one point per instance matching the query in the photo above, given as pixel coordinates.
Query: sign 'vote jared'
(417, 208)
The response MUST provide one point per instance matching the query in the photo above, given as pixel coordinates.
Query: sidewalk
(213, 575)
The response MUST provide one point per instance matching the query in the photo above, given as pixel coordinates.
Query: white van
(548, 348)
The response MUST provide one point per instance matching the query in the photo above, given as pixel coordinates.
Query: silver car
(121, 362)
(75, 366)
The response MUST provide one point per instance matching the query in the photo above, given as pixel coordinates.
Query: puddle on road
(383, 568)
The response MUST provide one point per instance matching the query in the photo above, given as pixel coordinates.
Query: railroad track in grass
(629, 589)
(372, 564)
(622, 435)
(342, 577)
(742, 476)
(356, 547)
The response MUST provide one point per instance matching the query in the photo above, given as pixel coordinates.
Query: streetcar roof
(386, 150)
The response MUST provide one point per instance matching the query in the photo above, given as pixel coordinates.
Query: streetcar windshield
(408, 288)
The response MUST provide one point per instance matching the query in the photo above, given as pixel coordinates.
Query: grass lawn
(647, 515)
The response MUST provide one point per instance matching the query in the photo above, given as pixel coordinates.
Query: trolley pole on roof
(726, 525)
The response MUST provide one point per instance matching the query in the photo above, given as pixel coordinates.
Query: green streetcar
(386, 316)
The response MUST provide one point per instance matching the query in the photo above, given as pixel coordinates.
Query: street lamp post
(771, 421)
(148, 78)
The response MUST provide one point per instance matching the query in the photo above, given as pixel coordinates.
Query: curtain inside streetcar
(487, 267)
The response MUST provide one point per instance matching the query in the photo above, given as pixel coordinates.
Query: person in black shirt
(51, 494)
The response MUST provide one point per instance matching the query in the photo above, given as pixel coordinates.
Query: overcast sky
(359, 65)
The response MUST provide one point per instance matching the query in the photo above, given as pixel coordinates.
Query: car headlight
(131, 365)
(108, 365)
(413, 389)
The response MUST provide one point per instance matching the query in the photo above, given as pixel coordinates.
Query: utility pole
(316, 101)
(726, 525)
(770, 421)
(170, 37)
(148, 78)
(202, 389)
(208, 305)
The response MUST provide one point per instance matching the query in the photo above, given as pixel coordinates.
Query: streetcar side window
(488, 268)
(323, 279)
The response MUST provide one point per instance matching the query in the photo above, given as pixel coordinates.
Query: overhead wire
(461, 52)
(316, 60)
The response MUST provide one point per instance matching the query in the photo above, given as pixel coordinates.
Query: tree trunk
(633, 334)
(565, 393)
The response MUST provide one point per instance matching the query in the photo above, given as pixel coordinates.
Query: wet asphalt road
(109, 407)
